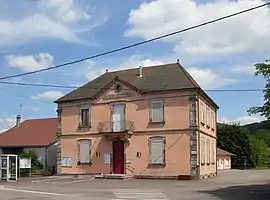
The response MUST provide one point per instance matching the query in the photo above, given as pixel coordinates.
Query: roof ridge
(47, 118)
(148, 66)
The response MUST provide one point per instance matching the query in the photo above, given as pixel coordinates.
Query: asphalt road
(231, 185)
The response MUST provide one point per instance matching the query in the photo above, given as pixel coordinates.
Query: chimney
(18, 120)
(140, 71)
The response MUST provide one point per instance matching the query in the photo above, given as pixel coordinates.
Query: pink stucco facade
(175, 130)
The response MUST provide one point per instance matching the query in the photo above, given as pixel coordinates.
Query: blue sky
(38, 34)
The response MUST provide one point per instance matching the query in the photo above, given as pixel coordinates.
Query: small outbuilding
(38, 135)
(223, 159)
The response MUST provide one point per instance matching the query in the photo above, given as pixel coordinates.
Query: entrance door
(118, 118)
(118, 157)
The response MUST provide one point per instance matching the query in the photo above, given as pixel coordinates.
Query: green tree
(260, 151)
(264, 135)
(234, 139)
(263, 69)
(35, 164)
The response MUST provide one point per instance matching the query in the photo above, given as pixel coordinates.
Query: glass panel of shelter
(9, 167)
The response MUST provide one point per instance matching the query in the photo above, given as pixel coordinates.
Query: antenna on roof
(20, 109)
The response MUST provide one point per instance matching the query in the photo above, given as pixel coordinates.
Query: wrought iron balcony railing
(115, 126)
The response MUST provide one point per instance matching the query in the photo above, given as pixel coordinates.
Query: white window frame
(152, 113)
(162, 140)
(87, 160)
(202, 112)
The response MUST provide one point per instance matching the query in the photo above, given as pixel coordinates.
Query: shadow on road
(246, 192)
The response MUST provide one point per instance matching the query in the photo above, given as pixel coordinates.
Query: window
(157, 151)
(213, 150)
(207, 116)
(202, 112)
(66, 162)
(208, 151)
(84, 151)
(202, 151)
(213, 120)
(157, 111)
(85, 117)
(227, 163)
(193, 113)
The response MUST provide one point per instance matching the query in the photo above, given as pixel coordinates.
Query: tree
(264, 135)
(234, 139)
(260, 152)
(263, 69)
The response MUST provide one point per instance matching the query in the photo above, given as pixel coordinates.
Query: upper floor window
(213, 120)
(192, 114)
(156, 111)
(85, 117)
(207, 116)
(84, 151)
(202, 112)
(157, 150)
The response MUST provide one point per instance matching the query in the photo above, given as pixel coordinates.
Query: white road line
(33, 192)
(138, 194)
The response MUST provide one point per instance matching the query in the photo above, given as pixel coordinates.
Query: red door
(118, 157)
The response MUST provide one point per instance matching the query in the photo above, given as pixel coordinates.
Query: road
(231, 185)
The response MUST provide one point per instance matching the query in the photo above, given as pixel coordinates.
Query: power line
(99, 88)
(135, 44)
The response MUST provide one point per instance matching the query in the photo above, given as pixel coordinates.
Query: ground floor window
(84, 151)
(157, 150)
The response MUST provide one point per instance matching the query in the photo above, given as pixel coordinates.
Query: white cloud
(51, 19)
(242, 120)
(244, 33)
(64, 10)
(209, 79)
(29, 63)
(6, 123)
(92, 70)
(49, 95)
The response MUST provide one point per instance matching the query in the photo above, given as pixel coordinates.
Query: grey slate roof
(155, 78)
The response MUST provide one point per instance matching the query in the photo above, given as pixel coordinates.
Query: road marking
(138, 194)
(33, 192)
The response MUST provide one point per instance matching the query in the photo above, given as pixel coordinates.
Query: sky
(37, 34)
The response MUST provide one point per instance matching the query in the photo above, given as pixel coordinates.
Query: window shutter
(208, 150)
(202, 112)
(84, 151)
(157, 111)
(157, 151)
(202, 151)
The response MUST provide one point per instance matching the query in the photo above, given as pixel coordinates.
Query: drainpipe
(45, 160)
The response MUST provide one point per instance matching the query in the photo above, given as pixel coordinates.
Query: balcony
(115, 126)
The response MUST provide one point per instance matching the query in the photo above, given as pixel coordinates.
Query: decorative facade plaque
(117, 95)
